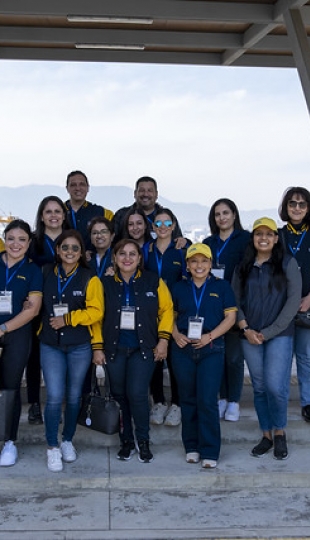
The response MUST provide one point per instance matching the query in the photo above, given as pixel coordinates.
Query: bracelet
(210, 337)
(243, 330)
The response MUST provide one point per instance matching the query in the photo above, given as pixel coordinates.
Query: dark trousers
(33, 370)
(199, 374)
(16, 347)
(130, 375)
(157, 386)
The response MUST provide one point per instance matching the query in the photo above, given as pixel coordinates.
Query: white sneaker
(192, 457)
(173, 417)
(54, 462)
(208, 463)
(232, 412)
(8, 455)
(158, 413)
(68, 451)
(222, 404)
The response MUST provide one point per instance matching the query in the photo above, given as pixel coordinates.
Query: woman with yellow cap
(205, 310)
(267, 285)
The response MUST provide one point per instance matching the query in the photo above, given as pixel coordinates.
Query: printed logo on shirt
(77, 293)
(21, 277)
(214, 294)
(150, 294)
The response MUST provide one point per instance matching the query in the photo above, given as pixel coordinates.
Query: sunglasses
(74, 247)
(302, 204)
(159, 223)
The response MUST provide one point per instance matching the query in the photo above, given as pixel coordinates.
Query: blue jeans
(130, 376)
(64, 372)
(232, 381)
(199, 374)
(270, 370)
(302, 352)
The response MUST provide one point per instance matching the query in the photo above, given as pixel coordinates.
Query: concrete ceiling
(244, 33)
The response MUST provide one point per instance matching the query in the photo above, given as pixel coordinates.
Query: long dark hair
(288, 194)
(73, 234)
(38, 239)
(276, 262)
(232, 206)
(132, 212)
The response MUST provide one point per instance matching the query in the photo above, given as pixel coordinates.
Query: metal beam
(301, 49)
(171, 9)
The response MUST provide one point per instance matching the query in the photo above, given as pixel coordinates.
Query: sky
(201, 132)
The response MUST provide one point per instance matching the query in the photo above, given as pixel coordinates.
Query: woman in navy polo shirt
(20, 279)
(166, 260)
(228, 241)
(205, 310)
(101, 233)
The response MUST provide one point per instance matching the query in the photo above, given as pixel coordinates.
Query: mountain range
(23, 202)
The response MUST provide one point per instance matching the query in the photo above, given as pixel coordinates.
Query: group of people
(90, 287)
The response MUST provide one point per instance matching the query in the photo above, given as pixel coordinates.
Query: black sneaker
(127, 450)
(305, 413)
(34, 414)
(280, 447)
(145, 455)
(262, 447)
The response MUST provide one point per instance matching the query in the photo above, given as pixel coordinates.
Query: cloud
(202, 132)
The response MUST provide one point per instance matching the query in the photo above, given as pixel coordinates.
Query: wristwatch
(3, 328)
(243, 330)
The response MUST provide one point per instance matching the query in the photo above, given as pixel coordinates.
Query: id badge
(195, 326)
(60, 309)
(127, 318)
(6, 302)
(218, 270)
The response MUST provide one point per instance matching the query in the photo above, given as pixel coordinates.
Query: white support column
(300, 48)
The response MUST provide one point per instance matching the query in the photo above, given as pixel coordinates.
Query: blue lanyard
(73, 218)
(50, 245)
(159, 261)
(102, 264)
(7, 271)
(127, 287)
(65, 285)
(198, 300)
(219, 251)
(294, 250)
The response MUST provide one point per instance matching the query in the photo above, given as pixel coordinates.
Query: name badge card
(127, 318)
(195, 327)
(60, 309)
(218, 270)
(6, 302)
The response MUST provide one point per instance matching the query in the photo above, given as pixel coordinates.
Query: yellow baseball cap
(265, 222)
(199, 249)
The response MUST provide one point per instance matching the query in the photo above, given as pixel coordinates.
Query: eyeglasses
(100, 233)
(302, 204)
(159, 223)
(74, 247)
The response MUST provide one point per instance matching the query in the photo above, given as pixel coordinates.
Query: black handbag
(303, 319)
(7, 400)
(98, 412)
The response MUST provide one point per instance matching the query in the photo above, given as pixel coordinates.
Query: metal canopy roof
(268, 33)
(243, 33)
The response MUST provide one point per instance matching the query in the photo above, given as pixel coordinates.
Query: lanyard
(50, 245)
(7, 271)
(127, 287)
(159, 258)
(101, 264)
(73, 218)
(220, 250)
(198, 300)
(65, 285)
(294, 250)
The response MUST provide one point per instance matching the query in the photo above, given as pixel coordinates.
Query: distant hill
(23, 202)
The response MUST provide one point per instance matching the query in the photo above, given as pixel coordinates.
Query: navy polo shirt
(105, 262)
(302, 254)
(218, 296)
(233, 252)
(81, 219)
(27, 278)
(48, 254)
(172, 263)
